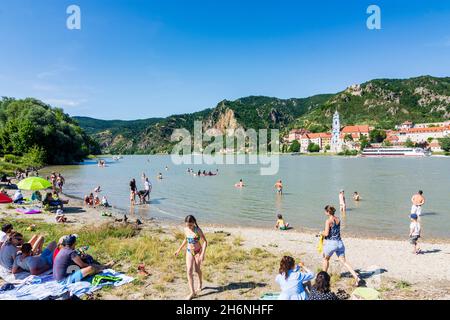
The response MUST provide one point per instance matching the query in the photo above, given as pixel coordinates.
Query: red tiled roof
(356, 129)
(424, 130)
(322, 135)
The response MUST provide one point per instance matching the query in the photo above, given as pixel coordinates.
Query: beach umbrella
(34, 183)
(4, 198)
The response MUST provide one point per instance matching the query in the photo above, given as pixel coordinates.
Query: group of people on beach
(93, 199)
(66, 263)
(143, 195)
(292, 277)
(57, 181)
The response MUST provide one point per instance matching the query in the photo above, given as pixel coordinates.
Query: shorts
(416, 210)
(47, 255)
(76, 276)
(413, 239)
(333, 246)
(342, 206)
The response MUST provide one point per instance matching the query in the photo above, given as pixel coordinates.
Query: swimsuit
(192, 241)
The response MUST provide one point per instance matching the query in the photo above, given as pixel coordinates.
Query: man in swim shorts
(418, 200)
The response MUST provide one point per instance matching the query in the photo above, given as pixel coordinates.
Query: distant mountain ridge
(381, 102)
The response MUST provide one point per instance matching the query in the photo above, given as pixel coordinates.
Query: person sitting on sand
(281, 224)
(89, 200)
(7, 229)
(60, 217)
(105, 202)
(414, 233)
(240, 184)
(18, 197)
(5, 179)
(321, 288)
(97, 201)
(68, 259)
(195, 253)
(2, 190)
(279, 187)
(291, 279)
(356, 196)
(51, 201)
(9, 249)
(59, 246)
(34, 264)
(333, 242)
(36, 196)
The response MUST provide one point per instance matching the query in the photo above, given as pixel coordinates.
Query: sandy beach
(387, 265)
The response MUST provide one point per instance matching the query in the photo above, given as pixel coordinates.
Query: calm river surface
(386, 186)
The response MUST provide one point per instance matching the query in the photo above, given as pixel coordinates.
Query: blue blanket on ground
(44, 287)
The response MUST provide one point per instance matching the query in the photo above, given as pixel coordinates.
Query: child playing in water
(281, 224)
(356, 196)
(414, 233)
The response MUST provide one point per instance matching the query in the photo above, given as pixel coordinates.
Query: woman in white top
(291, 279)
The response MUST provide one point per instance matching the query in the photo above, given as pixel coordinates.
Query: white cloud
(64, 102)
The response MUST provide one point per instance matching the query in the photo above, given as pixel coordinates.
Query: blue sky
(138, 59)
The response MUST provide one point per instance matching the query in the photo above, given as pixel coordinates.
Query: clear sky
(138, 59)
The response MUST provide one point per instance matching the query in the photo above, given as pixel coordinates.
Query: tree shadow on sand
(250, 285)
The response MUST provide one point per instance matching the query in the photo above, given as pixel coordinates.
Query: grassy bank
(130, 246)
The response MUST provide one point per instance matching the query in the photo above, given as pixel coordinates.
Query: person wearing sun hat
(414, 232)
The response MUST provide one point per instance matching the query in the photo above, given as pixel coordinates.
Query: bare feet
(191, 296)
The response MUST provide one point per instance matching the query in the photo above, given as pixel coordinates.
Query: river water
(310, 182)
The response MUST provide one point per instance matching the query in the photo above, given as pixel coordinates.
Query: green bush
(295, 146)
(11, 158)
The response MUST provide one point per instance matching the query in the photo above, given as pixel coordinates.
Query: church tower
(335, 134)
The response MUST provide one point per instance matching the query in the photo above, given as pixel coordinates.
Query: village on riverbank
(354, 138)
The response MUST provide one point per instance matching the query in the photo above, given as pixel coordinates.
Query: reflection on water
(385, 186)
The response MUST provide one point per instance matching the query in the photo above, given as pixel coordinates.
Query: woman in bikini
(195, 253)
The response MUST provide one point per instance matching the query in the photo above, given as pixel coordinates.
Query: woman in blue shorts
(333, 243)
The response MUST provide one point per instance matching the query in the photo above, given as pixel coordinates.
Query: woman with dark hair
(291, 278)
(333, 243)
(321, 288)
(196, 244)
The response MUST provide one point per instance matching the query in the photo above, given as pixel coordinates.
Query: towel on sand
(28, 287)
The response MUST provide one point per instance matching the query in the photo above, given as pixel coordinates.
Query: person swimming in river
(98, 189)
(240, 184)
(281, 224)
(160, 176)
(279, 187)
(356, 196)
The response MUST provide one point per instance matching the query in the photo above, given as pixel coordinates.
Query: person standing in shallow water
(196, 243)
(333, 243)
(342, 203)
(418, 200)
